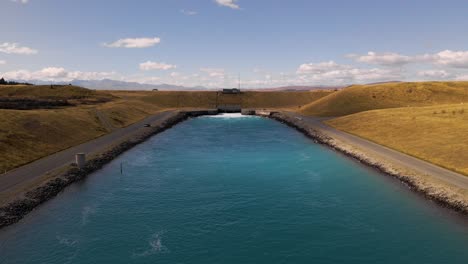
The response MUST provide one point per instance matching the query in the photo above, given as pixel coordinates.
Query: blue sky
(208, 42)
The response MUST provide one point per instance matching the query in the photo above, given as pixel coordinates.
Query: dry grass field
(437, 134)
(360, 98)
(210, 99)
(26, 135)
(64, 92)
(282, 99)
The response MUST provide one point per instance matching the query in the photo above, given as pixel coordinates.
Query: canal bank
(36, 183)
(435, 183)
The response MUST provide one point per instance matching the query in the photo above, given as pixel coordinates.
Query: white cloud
(133, 43)
(455, 59)
(462, 77)
(228, 3)
(333, 73)
(14, 48)
(447, 58)
(435, 74)
(385, 59)
(150, 65)
(175, 74)
(52, 73)
(21, 1)
(214, 72)
(322, 67)
(188, 12)
(2, 62)
(58, 74)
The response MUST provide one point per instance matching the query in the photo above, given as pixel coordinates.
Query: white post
(81, 160)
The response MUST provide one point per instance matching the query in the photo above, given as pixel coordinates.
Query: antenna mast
(239, 81)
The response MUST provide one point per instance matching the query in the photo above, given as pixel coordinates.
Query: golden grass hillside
(360, 98)
(435, 133)
(171, 99)
(27, 135)
(282, 99)
(210, 99)
(66, 92)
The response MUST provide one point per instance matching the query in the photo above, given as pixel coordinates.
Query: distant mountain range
(108, 84)
(300, 88)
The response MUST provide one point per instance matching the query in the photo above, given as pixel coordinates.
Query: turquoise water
(236, 190)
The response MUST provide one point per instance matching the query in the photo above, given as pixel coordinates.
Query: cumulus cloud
(175, 74)
(434, 74)
(213, 72)
(322, 67)
(188, 12)
(331, 72)
(449, 58)
(228, 3)
(462, 77)
(58, 74)
(151, 65)
(133, 43)
(15, 48)
(385, 59)
(21, 1)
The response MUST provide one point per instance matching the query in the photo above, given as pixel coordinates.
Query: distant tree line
(4, 82)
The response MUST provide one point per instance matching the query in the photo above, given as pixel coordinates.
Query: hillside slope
(360, 98)
(210, 99)
(433, 133)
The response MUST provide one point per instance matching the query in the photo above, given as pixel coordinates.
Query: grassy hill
(210, 99)
(49, 92)
(433, 133)
(282, 99)
(26, 135)
(358, 98)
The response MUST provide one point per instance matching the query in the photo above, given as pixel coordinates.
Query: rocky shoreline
(440, 194)
(16, 210)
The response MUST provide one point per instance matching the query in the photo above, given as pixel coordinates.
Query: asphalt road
(394, 156)
(55, 161)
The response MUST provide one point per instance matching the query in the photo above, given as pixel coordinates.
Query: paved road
(394, 156)
(55, 161)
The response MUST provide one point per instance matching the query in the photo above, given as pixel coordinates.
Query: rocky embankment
(16, 210)
(438, 192)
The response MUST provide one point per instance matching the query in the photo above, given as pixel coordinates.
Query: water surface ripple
(236, 190)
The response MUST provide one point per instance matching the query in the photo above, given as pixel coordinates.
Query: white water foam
(69, 242)
(230, 115)
(156, 246)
